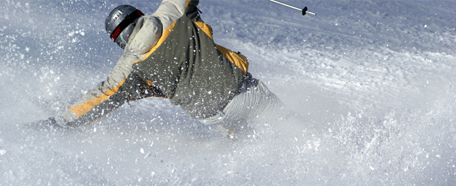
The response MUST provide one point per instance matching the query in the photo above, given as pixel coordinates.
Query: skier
(171, 54)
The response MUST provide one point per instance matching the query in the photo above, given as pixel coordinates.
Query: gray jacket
(170, 54)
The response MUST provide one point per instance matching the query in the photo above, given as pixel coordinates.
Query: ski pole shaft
(304, 10)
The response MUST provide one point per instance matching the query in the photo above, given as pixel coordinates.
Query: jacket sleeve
(171, 10)
(150, 28)
(105, 97)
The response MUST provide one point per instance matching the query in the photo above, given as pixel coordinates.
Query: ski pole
(304, 10)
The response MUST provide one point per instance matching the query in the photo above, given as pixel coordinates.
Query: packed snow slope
(372, 81)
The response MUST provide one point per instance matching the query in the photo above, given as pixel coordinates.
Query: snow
(374, 82)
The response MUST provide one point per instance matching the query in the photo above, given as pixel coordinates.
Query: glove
(51, 123)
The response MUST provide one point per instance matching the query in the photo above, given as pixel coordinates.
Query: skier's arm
(150, 28)
(104, 98)
(171, 10)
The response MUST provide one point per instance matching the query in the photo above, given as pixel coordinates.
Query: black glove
(51, 123)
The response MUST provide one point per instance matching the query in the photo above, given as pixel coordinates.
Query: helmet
(121, 22)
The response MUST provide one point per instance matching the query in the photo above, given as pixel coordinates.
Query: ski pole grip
(304, 11)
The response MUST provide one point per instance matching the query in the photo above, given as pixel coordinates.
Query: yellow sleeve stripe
(206, 29)
(188, 2)
(238, 59)
(89, 105)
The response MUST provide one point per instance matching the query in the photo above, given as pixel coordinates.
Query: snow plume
(371, 85)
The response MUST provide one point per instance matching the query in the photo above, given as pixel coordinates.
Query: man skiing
(171, 54)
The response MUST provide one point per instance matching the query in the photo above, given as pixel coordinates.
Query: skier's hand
(51, 123)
